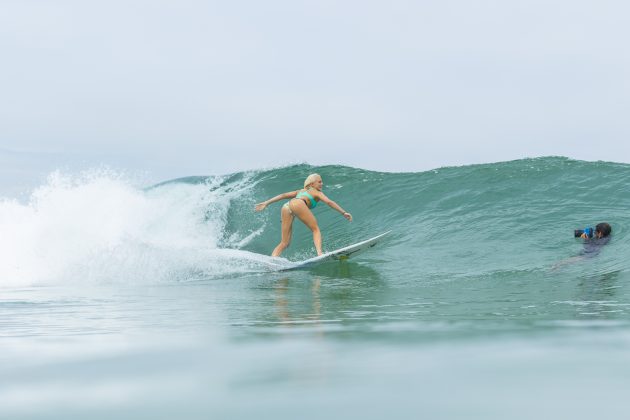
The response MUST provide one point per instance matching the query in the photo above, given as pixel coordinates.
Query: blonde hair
(310, 179)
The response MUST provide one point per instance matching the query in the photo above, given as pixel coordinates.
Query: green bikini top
(307, 195)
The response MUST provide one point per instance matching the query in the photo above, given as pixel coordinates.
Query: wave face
(492, 219)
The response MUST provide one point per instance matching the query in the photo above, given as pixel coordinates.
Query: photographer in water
(594, 239)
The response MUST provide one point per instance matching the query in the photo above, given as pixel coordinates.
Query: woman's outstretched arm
(284, 196)
(333, 205)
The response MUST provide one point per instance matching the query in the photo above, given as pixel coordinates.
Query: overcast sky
(192, 87)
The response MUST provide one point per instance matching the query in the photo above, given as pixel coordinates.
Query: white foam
(97, 226)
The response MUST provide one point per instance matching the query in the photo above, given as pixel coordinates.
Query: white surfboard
(339, 254)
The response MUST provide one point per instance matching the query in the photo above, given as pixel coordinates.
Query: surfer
(300, 204)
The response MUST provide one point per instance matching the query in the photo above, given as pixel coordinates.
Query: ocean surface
(120, 300)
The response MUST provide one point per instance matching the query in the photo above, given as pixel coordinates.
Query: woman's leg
(287, 228)
(301, 210)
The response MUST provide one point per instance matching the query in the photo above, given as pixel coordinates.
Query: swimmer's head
(604, 229)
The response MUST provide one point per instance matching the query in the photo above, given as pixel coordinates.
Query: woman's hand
(261, 206)
(347, 216)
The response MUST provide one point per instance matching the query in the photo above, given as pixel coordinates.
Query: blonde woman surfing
(300, 204)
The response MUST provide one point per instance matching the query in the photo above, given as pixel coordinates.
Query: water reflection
(282, 298)
(319, 299)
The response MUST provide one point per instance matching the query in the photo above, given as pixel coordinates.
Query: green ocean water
(479, 304)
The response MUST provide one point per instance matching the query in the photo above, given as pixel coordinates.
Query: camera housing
(588, 231)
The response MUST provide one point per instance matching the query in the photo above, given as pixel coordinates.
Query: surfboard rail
(341, 253)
